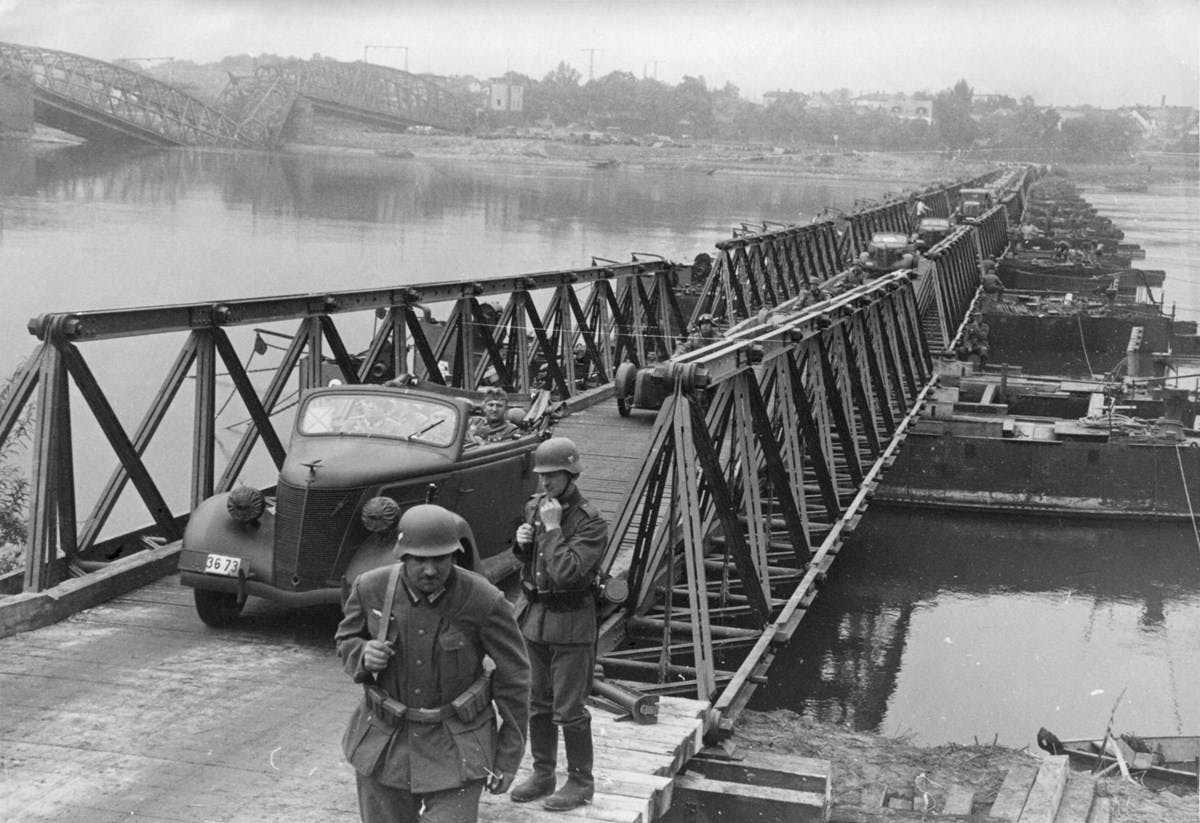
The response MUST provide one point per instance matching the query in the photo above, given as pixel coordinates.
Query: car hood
(357, 461)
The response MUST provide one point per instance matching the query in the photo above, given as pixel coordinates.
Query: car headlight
(245, 504)
(380, 514)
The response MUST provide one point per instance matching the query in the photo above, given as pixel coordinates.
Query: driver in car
(493, 426)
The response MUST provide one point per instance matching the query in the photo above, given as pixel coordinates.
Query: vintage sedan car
(887, 252)
(931, 231)
(358, 457)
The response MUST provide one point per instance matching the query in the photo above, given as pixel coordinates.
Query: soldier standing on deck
(560, 545)
(424, 741)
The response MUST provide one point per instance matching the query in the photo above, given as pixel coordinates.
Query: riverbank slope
(862, 763)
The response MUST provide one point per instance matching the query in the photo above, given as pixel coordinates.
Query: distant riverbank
(700, 157)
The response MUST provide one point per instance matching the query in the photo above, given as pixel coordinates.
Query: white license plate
(222, 564)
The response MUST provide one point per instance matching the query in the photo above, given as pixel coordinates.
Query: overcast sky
(1062, 52)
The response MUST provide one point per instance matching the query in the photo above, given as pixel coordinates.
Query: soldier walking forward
(424, 741)
(560, 545)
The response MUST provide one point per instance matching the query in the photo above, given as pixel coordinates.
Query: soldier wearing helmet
(415, 634)
(560, 544)
(493, 425)
(705, 333)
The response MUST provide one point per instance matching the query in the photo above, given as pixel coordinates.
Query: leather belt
(393, 712)
(558, 601)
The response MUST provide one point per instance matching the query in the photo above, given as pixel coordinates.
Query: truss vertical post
(68, 535)
(310, 375)
(41, 543)
(565, 334)
(519, 334)
(204, 417)
(395, 319)
(686, 506)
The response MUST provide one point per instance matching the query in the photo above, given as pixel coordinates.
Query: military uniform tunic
(562, 560)
(561, 563)
(439, 642)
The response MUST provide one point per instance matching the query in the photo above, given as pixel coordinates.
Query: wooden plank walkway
(612, 448)
(134, 710)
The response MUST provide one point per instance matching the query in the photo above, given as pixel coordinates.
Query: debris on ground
(861, 763)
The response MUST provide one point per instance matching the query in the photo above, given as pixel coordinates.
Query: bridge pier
(16, 107)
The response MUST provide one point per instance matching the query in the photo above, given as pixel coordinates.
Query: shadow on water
(956, 627)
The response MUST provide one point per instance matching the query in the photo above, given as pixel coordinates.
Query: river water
(943, 627)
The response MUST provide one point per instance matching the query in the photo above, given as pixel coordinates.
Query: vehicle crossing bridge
(105, 102)
(726, 509)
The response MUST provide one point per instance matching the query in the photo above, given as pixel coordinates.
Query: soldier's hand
(376, 655)
(499, 782)
(524, 534)
(551, 513)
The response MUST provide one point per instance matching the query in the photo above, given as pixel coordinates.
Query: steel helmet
(428, 531)
(558, 454)
(705, 318)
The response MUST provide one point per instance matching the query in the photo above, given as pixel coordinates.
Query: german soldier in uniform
(560, 545)
(415, 634)
(705, 333)
(493, 425)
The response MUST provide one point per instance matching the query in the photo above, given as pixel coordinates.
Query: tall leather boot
(543, 745)
(580, 785)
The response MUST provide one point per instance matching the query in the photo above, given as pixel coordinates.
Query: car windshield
(373, 415)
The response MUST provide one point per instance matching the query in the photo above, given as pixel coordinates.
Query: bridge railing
(561, 330)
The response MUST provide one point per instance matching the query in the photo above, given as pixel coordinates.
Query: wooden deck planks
(135, 709)
(612, 449)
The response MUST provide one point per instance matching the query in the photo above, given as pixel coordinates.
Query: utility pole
(375, 46)
(591, 63)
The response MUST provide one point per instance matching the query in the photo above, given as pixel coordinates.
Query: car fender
(210, 530)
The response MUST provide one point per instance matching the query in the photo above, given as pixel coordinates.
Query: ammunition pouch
(466, 707)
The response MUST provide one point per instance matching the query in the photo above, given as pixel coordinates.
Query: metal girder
(720, 506)
(368, 90)
(103, 98)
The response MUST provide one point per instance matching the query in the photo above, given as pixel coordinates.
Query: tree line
(639, 106)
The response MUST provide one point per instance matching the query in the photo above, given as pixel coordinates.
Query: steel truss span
(106, 102)
(99, 100)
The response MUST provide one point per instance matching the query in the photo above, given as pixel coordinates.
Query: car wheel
(217, 609)
(624, 385)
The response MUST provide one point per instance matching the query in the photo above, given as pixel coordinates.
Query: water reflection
(374, 189)
(986, 626)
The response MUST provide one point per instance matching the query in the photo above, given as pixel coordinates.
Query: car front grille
(309, 532)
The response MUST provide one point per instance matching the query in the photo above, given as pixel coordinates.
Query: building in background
(506, 97)
(896, 105)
